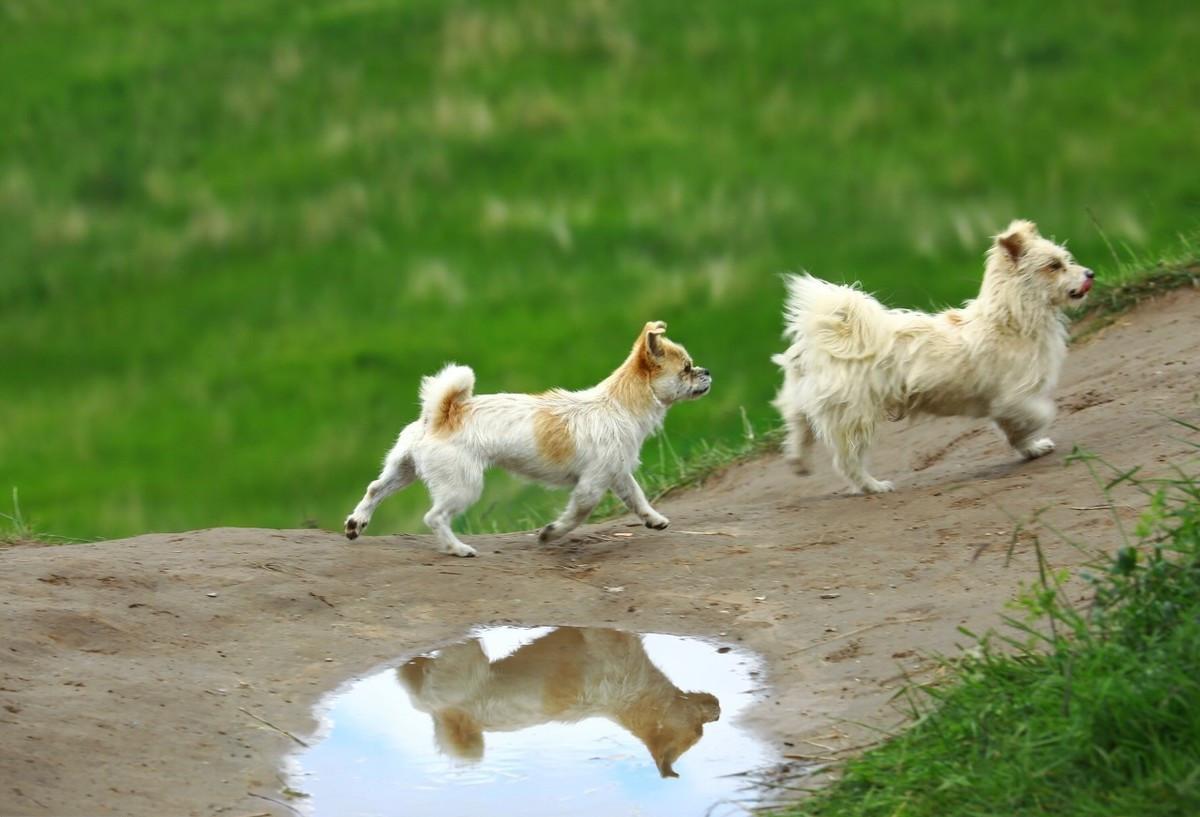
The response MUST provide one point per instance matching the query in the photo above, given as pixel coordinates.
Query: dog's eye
(1056, 264)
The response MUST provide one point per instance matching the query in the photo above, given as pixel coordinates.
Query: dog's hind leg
(453, 491)
(798, 442)
(584, 499)
(629, 492)
(1025, 423)
(398, 473)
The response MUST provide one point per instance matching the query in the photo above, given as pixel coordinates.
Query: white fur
(854, 362)
(605, 427)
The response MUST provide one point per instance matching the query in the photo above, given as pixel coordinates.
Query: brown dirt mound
(135, 672)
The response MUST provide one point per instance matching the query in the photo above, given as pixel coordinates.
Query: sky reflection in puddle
(541, 721)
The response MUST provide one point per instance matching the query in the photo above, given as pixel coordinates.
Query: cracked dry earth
(136, 675)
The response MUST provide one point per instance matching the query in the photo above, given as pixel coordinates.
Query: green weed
(16, 530)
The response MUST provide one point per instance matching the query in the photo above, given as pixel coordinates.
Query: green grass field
(236, 233)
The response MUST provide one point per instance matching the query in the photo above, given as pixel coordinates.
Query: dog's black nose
(703, 373)
(1087, 273)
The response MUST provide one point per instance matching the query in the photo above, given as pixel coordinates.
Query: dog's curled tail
(840, 321)
(444, 396)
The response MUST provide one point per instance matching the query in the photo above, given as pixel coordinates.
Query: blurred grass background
(235, 233)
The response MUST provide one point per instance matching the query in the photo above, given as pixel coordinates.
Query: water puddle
(542, 721)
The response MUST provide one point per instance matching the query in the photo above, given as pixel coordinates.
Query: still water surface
(541, 722)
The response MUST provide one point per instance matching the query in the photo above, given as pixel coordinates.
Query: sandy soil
(135, 672)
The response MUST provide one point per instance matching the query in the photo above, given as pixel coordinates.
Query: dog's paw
(799, 466)
(459, 549)
(656, 521)
(878, 486)
(354, 527)
(1037, 448)
(548, 534)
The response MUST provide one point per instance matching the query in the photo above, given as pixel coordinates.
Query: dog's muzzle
(1085, 287)
(705, 385)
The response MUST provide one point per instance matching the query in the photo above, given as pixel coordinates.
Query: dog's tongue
(1087, 286)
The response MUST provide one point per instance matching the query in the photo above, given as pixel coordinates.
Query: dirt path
(133, 672)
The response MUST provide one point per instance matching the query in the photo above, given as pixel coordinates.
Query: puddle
(545, 721)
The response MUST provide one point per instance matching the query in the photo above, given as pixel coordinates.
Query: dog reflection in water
(567, 675)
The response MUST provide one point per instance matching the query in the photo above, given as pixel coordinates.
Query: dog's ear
(412, 674)
(1016, 238)
(653, 333)
(707, 705)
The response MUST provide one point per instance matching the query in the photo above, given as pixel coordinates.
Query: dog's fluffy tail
(443, 396)
(839, 321)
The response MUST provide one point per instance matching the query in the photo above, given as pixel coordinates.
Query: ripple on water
(544, 722)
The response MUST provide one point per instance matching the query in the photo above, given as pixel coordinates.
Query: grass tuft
(15, 529)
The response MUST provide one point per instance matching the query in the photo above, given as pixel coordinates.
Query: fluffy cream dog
(566, 675)
(588, 439)
(853, 362)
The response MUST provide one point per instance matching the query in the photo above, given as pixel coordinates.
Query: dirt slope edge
(131, 669)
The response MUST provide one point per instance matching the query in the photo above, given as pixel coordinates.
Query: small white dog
(854, 362)
(565, 676)
(588, 439)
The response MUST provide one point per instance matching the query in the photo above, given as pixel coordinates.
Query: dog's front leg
(584, 499)
(849, 460)
(627, 488)
(1025, 423)
(398, 473)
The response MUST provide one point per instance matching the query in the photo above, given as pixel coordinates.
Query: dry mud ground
(127, 687)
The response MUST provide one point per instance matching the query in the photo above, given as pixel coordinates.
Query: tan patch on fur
(630, 384)
(451, 413)
(954, 317)
(563, 688)
(553, 436)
